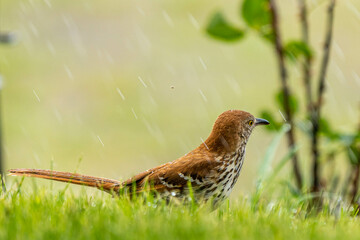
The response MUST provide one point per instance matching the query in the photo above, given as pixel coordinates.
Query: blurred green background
(128, 85)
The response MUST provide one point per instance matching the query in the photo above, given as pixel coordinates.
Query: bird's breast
(229, 173)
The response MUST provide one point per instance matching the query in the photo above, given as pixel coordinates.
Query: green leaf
(293, 190)
(293, 50)
(326, 130)
(219, 28)
(294, 104)
(257, 15)
(354, 154)
(275, 125)
(353, 150)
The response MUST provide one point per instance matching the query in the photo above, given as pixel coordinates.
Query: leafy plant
(260, 16)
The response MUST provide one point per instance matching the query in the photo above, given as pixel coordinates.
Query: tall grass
(37, 213)
(33, 212)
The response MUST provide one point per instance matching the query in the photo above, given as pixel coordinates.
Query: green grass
(40, 213)
(272, 211)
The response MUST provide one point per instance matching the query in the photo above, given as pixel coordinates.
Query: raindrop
(194, 21)
(203, 96)
(202, 63)
(37, 97)
(143, 83)
(339, 51)
(282, 115)
(47, 2)
(143, 40)
(133, 111)
(100, 140)
(1, 82)
(202, 140)
(33, 29)
(120, 93)
(340, 74)
(168, 18)
(353, 9)
(74, 35)
(68, 72)
(356, 77)
(50, 47)
(140, 11)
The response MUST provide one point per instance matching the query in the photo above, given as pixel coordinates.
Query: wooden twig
(307, 63)
(325, 59)
(285, 89)
(315, 116)
(355, 184)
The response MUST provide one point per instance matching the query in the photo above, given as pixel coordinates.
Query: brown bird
(212, 169)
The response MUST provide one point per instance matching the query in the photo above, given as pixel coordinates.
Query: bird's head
(232, 129)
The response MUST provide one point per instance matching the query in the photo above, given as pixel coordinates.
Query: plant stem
(355, 184)
(315, 116)
(307, 64)
(285, 89)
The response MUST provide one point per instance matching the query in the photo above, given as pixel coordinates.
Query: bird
(210, 171)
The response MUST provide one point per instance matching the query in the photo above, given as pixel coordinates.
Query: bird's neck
(222, 144)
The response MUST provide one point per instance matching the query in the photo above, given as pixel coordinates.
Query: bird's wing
(195, 168)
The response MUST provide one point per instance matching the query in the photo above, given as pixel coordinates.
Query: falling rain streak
(282, 115)
(98, 137)
(120, 93)
(202, 95)
(37, 97)
(133, 111)
(202, 63)
(142, 81)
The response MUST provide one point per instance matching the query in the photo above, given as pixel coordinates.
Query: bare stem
(285, 89)
(307, 63)
(355, 184)
(315, 116)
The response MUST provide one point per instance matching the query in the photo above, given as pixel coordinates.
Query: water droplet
(133, 111)
(100, 140)
(37, 97)
(168, 18)
(203, 96)
(120, 93)
(142, 81)
(194, 21)
(203, 63)
(282, 115)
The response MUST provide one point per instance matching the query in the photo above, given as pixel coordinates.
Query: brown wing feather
(195, 166)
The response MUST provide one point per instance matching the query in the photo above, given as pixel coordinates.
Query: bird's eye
(251, 122)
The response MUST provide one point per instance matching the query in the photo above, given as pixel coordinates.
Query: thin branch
(355, 184)
(307, 64)
(315, 116)
(285, 89)
(325, 59)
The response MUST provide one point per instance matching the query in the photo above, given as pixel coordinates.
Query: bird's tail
(108, 185)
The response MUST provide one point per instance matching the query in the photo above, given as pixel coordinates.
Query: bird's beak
(260, 121)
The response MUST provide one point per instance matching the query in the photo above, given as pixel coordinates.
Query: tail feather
(108, 185)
